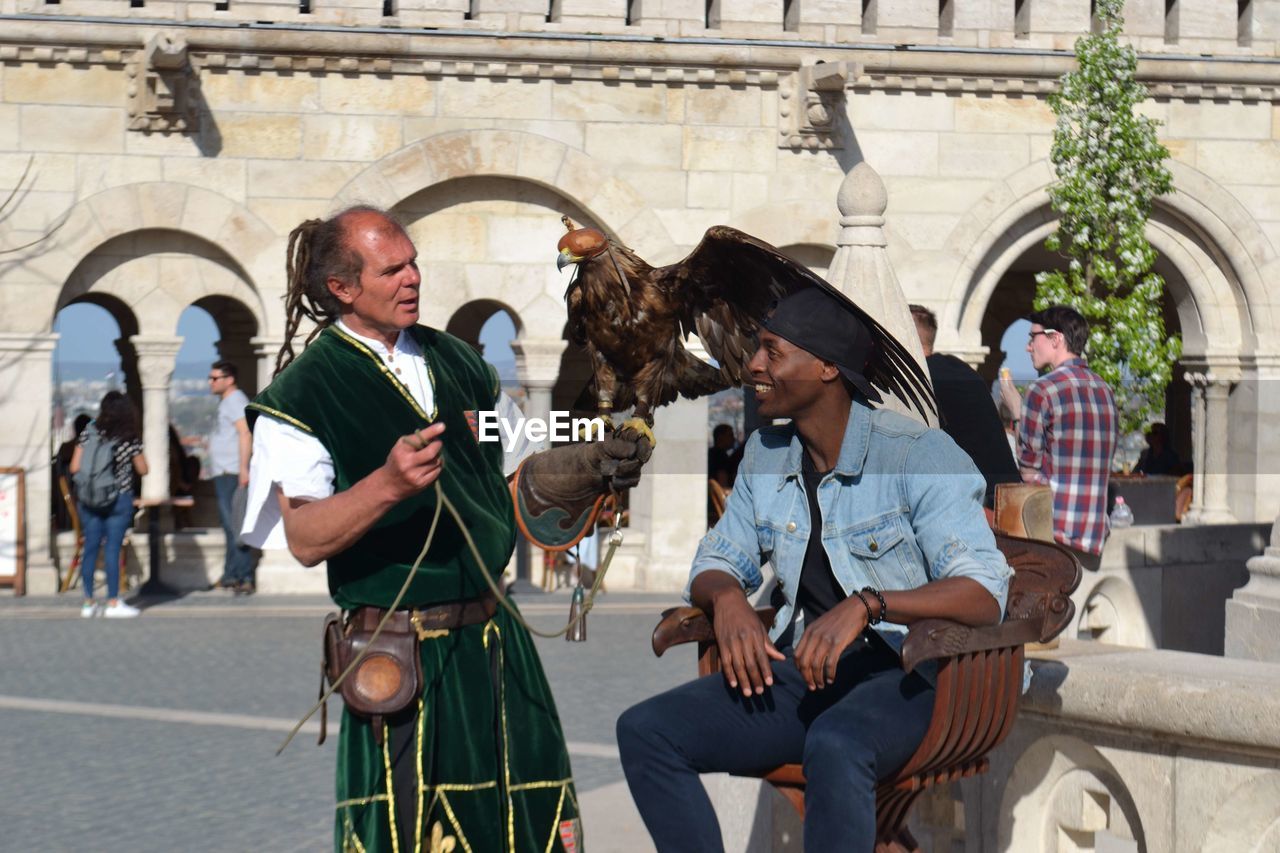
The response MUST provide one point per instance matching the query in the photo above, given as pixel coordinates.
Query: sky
(88, 332)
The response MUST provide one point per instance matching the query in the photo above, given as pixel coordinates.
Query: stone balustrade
(1125, 749)
(1187, 27)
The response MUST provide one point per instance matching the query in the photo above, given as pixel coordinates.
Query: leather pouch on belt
(387, 678)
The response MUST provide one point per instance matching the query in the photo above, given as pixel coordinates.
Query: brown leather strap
(452, 614)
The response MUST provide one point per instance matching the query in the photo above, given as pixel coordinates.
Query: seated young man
(871, 521)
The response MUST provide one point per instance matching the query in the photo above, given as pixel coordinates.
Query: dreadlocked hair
(318, 251)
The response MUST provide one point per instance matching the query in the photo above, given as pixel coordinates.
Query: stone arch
(158, 273)
(1200, 226)
(1049, 781)
(1247, 819)
(611, 202)
(199, 214)
(467, 321)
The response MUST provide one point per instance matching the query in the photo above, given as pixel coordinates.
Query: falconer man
(349, 440)
(872, 521)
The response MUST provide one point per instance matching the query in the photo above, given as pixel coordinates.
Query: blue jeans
(238, 565)
(848, 736)
(104, 533)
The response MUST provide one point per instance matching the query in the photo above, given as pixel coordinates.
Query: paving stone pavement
(159, 733)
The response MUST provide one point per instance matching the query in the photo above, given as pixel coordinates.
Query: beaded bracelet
(871, 619)
(884, 608)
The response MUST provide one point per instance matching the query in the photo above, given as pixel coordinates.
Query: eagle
(633, 319)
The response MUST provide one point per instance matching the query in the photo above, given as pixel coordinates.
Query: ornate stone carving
(808, 102)
(162, 87)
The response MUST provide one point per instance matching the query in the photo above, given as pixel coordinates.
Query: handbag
(388, 676)
(1024, 509)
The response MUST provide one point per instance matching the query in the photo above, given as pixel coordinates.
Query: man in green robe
(349, 439)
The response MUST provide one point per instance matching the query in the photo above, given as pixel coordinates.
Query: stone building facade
(175, 144)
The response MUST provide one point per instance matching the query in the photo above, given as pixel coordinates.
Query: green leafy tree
(1110, 169)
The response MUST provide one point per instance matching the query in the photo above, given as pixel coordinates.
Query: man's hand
(414, 462)
(244, 478)
(745, 649)
(825, 640)
(620, 460)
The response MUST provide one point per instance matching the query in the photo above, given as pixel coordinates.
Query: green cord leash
(442, 501)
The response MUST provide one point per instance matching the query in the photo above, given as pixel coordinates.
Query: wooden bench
(979, 682)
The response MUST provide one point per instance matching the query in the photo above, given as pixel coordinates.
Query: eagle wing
(726, 286)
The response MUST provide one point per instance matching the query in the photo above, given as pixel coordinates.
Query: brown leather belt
(429, 621)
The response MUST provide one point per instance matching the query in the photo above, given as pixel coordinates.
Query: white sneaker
(120, 610)
(89, 609)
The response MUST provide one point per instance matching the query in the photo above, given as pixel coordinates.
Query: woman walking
(103, 465)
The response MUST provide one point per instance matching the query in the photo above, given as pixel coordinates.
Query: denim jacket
(901, 508)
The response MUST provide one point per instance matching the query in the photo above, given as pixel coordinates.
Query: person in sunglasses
(1067, 430)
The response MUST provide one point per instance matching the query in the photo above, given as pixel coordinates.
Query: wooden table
(154, 586)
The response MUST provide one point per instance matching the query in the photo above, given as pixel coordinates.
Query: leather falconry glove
(558, 493)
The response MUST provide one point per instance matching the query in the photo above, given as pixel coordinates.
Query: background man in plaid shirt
(1067, 433)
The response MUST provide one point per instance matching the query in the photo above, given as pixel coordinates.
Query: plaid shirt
(1068, 435)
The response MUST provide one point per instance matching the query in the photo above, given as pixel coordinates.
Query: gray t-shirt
(224, 443)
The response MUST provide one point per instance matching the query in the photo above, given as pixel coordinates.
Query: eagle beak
(565, 258)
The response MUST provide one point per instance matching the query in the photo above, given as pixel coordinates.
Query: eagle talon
(584, 428)
(641, 428)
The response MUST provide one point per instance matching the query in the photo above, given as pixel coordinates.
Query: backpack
(95, 482)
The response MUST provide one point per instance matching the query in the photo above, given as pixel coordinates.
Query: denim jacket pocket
(764, 538)
(874, 544)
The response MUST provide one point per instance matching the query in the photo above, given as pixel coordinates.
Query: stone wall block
(83, 130)
(934, 195)
(721, 105)
(261, 136)
(984, 15)
(1003, 115)
(207, 217)
(624, 102)
(629, 146)
(361, 138)
(909, 13)
(1231, 162)
(374, 94)
(160, 203)
(506, 98)
(234, 90)
(898, 153)
(90, 86)
(721, 149)
(972, 154)
(901, 110)
(225, 177)
(1217, 120)
(282, 215)
(709, 190)
(408, 171)
(539, 159)
(1209, 19)
(103, 172)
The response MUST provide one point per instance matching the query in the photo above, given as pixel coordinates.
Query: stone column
(538, 368)
(1209, 426)
(265, 350)
(157, 357)
(669, 507)
(26, 410)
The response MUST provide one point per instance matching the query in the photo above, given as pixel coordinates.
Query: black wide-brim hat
(825, 322)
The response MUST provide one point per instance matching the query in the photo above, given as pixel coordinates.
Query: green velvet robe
(489, 765)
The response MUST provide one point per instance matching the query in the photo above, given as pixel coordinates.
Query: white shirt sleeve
(285, 459)
(522, 448)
